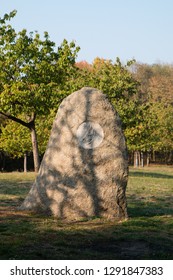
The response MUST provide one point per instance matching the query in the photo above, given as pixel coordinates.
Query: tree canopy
(35, 76)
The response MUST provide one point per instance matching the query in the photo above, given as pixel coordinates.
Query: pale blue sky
(140, 29)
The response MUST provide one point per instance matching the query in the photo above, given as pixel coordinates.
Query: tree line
(35, 76)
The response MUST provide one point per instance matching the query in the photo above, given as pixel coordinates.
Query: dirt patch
(123, 249)
(133, 250)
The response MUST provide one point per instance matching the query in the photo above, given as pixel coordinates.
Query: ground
(147, 234)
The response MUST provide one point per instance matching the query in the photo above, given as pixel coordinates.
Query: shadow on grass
(149, 207)
(150, 174)
(147, 234)
(28, 236)
(148, 211)
(14, 188)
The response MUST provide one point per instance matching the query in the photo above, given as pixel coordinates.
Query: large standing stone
(84, 170)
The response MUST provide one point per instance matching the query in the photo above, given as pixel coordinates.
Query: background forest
(35, 77)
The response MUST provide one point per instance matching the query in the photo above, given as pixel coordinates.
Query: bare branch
(15, 119)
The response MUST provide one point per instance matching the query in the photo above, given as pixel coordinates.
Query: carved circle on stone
(90, 135)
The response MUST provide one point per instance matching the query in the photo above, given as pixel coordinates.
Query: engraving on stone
(90, 135)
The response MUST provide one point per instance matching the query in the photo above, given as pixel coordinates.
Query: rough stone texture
(84, 171)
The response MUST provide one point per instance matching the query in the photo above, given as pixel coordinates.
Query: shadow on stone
(84, 171)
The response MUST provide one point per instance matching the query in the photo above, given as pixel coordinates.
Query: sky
(128, 29)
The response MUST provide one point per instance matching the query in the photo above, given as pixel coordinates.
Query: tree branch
(15, 119)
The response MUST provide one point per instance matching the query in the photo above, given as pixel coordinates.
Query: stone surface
(84, 170)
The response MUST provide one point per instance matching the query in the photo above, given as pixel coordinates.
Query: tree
(15, 139)
(113, 78)
(33, 76)
(161, 84)
(164, 133)
(155, 94)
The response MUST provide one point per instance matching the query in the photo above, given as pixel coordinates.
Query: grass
(147, 234)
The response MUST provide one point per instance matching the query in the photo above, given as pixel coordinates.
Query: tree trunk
(31, 126)
(136, 159)
(139, 159)
(142, 159)
(148, 158)
(35, 149)
(170, 157)
(25, 162)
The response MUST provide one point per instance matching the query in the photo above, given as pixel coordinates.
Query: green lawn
(147, 234)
